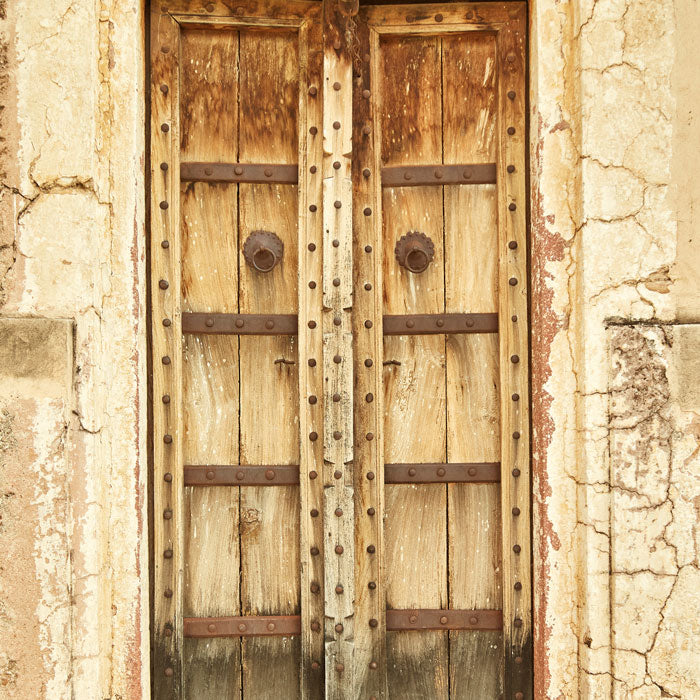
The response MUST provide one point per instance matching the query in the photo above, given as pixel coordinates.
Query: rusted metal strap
(245, 626)
(432, 324)
(399, 620)
(415, 175)
(244, 475)
(240, 172)
(240, 324)
(474, 472)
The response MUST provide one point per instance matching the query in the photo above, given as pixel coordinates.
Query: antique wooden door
(338, 266)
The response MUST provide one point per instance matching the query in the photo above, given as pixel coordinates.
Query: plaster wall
(615, 163)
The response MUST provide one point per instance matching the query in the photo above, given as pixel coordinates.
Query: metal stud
(168, 554)
(339, 628)
(518, 586)
(336, 165)
(336, 282)
(512, 281)
(513, 318)
(315, 665)
(339, 549)
(516, 548)
(371, 511)
(311, 324)
(373, 623)
(315, 588)
(163, 284)
(163, 166)
(336, 125)
(209, 323)
(516, 511)
(168, 593)
(336, 242)
(166, 360)
(165, 128)
(338, 512)
(313, 436)
(371, 549)
(370, 476)
(336, 86)
(167, 477)
(368, 249)
(368, 362)
(337, 204)
(336, 398)
(240, 323)
(312, 362)
(372, 585)
(313, 169)
(165, 244)
(337, 435)
(443, 620)
(517, 622)
(511, 94)
(516, 435)
(516, 472)
(337, 474)
(366, 172)
(511, 130)
(315, 626)
(314, 513)
(511, 168)
(312, 399)
(519, 695)
(512, 206)
(339, 667)
(168, 672)
(367, 211)
(167, 514)
(312, 208)
(314, 551)
(438, 18)
(366, 94)
(368, 287)
(369, 436)
(270, 474)
(166, 398)
(515, 397)
(313, 474)
(313, 91)
(164, 89)
(368, 324)
(337, 359)
(441, 472)
(512, 245)
(312, 285)
(366, 130)
(339, 589)
(167, 439)
(311, 247)
(313, 131)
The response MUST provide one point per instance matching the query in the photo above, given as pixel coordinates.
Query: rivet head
(339, 668)
(208, 171)
(163, 166)
(366, 172)
(443, 620)
(519, 696)
(165, 244)
(270, 626)
(336, 398)
(336, 165)
(438, 18)
(512, 245)
(335, 243)
(313, 474)
(240, 323)
(314, 514)
(512, 206)
(242, 627)
(337, 474)
(366, 129)
(517, 622)
(168, 554)
(313, 131)
(471, 471)
(313, 91)
(270, 474)
(336, 125)
(518, 586)
(373, 665)
(410, 323)
(269, 325)
(373, 623)
(166, 360)
(516, 511)
(315, 588)
(516, 548)
(368, 249)
(313, 169)
(470, 322)
(473, 620)
(366, 94)
(337, 359)
(369, 436)
(368, 287)
(167, 514)
(165, 128)
(511, 130)
(240, 476)
(516, 435)
(513, 318)
(311, 324)
(314, 551)
(338, 589)
(407, 175)
(371, 549)
(210, 475)
(441, 472)
(440, 323)
(238, 170)
(168, 672)
(336, 86)
(367, 211)
(368, 324)
(467, 174)
(337, 204)
(312, 399)
(339, 628)
(515, 397)
(210, 7)
(368, 362)
(168, 593)
(315, 665)
(337, 435)
(167, 439)
(438, 174)
(315, 626)
(518, 659)
(369, 398)
(167, 477)
(372, 585)
(511, 94)
(211, 627)
(371, 511)
(163, 284)
(516, 472)
(510, 57)
(164, 89)
(336, 282)
(312, 362)
(168, 631)
(163, 205)
(209, 322)
(339, 549)
(411, 472)
(268, 172)
(511, 168)
(512, 281)
(413, 619)
(370, 476)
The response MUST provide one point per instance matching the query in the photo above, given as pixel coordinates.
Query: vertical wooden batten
(310, 357)
(338, 357)
(513, 331)
(167, 356)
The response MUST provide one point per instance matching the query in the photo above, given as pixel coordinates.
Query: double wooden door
(339, 350)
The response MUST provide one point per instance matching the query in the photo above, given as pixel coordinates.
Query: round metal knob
(414, 251)
(262, 250)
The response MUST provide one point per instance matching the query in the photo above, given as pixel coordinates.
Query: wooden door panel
(383, 548)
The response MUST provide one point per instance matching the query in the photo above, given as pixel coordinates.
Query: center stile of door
(340, 358)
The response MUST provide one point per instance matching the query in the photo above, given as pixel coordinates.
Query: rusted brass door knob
(262, 250)
(415, 251)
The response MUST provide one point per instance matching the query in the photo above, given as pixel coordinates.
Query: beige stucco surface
(615, 162)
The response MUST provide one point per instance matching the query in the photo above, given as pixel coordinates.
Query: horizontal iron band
(468, 472)
(243, 626)
(240, 324)
(433, 324)
(240, 172)
(417, 175)
(400, 620)
(243, 475)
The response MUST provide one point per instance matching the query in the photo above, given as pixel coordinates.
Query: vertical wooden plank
(370, 642)
(337, 357)
(473, 432)
(269, 74)
(414, 378)
(513, 324)
(209, 216)
(166, 347)
(310, 354)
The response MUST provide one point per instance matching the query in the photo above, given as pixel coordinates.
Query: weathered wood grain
(269, 75)
(469, 74)
(414, 391)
